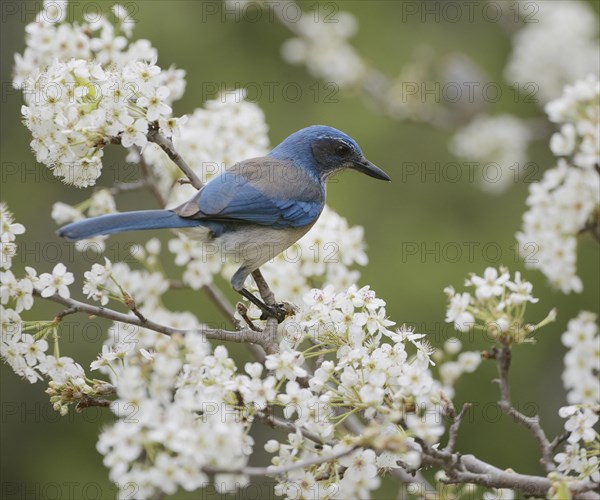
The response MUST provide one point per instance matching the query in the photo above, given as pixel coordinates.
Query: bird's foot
(278, 311)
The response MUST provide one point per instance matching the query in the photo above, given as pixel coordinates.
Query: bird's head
(325, 150)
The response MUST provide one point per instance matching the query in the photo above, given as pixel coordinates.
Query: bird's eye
(342, 150)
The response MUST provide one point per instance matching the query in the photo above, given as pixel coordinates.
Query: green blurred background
(44, 455)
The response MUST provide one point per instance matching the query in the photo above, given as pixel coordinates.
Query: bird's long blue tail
(126, 221)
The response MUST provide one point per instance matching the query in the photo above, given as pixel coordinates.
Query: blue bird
(255, 209)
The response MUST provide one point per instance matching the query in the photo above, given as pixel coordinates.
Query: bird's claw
(278, 311)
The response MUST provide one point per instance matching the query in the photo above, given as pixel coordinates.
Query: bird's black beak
(366, 167)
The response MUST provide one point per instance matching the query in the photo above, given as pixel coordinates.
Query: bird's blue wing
(260, 191)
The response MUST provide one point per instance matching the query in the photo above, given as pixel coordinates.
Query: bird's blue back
(264, 191)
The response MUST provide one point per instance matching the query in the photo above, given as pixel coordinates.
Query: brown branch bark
(502, 356)
(454, 428)
(167, 146)
(266, 341)
(470, 469)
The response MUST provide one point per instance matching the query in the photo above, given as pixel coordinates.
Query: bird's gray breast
(252, 246)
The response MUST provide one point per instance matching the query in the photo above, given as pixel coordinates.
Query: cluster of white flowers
(97, 284)
(118, 281)
(567, 198)
(497, 306)
(182, 410)
(51, 37)
(9, 230)
(323, 47)
(23, 345)
(76, 107)
(20, 291)
(551, 56)
(20, 350)
(578, 111)
(498, 144)
(542, 47)
(84, 85)
(581, 457)
(26, 354)
(582, 361)
(176, 415)
(356, 475)
(366, 376)
(194, 410)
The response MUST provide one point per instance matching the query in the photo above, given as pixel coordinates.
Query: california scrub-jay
(255, 209)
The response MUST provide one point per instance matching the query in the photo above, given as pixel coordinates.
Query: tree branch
(470, 469)
(453, 431)
(167, 146)
(277, 471)
(245, 335)
(532, 424)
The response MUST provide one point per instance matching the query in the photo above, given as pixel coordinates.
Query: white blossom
(498, 145)
(56, 283)
(547, 54)
(9, 230)
(324, 49)
(582, 361)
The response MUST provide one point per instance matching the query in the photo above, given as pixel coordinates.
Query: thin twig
(243, 312)
(59, 317)
(277, 471)
(532, 424)
(167, 146)
(130, 303)
(558, 440)
(453, 431)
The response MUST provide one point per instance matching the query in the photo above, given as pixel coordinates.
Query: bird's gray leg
(268, 310)
(265, 292)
